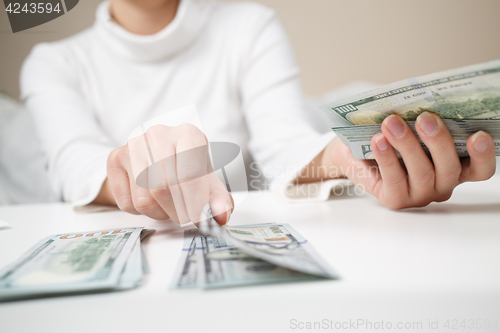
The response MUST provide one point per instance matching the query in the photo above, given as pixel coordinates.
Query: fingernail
(395, 126)
(381, 142)
(428, 123)
(480, 141)
(228, 210)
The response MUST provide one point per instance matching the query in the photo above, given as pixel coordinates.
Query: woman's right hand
(166, 173)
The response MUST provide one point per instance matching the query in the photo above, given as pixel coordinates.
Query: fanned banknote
(211, 262)
(187, 270)
(79, 262)
(468, 97)
(216, 256)
(222, 264)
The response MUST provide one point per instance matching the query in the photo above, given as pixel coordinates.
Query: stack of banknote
(81, 262)
(467, 98)
(214, 256)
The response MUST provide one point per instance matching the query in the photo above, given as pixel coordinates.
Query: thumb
(222, 205)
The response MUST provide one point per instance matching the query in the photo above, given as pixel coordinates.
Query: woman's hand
(420, 180)
(166, 173)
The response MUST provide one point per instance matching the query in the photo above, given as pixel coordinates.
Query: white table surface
(439, 263)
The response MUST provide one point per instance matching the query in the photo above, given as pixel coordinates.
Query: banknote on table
(222, 264)
(216, 256)
(468, 97)
(79, 262)
(187, 270)
(211, 262)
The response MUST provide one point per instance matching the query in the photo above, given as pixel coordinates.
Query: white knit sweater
(233, 60)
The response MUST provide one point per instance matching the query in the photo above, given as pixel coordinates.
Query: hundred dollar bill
(74, 263)
(221, 264)
(278, 244)
(456, 127)
(358, 138)
(363, 150)
(471, 92)
(211, 262)
(186, 275)
(132, 273)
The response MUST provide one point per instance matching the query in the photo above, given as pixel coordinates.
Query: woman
(143, 58)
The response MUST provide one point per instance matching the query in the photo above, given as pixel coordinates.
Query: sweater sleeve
(70, 135)
(283, 140)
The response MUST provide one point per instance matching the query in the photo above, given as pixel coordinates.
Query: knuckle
(398, 182)
(440, 145)
(127, 207)
(156, 131)
(480, 175)
(456, 172)
(188, 128)
(444, 196)
(490, 173)
(421, 202)
(191, 131)
(398, 200)
(407, 142)
(115, 158)
(394, 206)
(398, 204)
(452, 176)
(161, 194)
(486, 175)
(422, 196)
(191, 175)
(426, 178)
(388, 162)
(145, 204)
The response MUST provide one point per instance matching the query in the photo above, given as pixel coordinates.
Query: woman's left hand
(420, 180)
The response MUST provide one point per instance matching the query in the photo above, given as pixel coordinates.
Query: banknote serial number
(32, 8)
